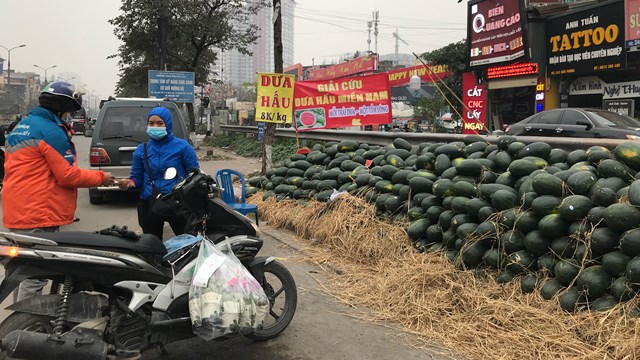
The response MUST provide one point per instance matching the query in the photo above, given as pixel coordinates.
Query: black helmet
(61, 97)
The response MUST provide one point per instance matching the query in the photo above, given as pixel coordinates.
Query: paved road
(321, 330)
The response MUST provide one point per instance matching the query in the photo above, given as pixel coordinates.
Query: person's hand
(125, 184)
(108, 179)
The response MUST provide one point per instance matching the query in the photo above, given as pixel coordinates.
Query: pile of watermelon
(566, 223)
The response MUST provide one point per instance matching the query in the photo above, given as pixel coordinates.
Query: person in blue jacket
(164, 151)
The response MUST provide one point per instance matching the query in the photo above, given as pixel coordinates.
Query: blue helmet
(69, 98)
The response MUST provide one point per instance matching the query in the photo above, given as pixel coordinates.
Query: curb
(285, 240)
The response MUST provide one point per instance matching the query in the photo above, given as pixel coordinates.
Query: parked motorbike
(117, 295)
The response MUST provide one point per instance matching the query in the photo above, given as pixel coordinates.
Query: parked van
(120, 127)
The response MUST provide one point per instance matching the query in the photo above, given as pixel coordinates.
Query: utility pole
(369, 23)
(9, 67)
(270, 128)
(375, 28)
(162, 35)
(398, 39)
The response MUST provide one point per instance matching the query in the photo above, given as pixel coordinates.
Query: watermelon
(528, 283)
(622, 217)
(623, 290)
(566, 271)
(633, 270)
(629, 154)
(581, 182)
(547, 184)
(521, 261)
(536, 243)
(472, 254)
(595, 281)
(574, 207)
(604, 240)
(571, 300)
(615, 262)
(494, 258)
(553, 226)
(545, 205)
(550, 288)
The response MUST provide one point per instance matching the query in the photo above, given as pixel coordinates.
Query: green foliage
(248, 145)
(429, 107)
(454, 56)
(190, 28)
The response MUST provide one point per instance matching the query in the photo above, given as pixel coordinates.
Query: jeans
(155, 225)
(31, 287)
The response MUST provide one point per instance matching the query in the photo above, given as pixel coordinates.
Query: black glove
(118, 231)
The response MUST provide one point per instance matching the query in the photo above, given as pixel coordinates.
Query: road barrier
(384, 138)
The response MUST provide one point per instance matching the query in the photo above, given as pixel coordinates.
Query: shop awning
(520, 81)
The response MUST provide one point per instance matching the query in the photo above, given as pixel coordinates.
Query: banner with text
(401, 77)
(363, 64)
(621, 90)
(329, 104)
(275, 97)
(586, 85)
(495, 31)
(474, 97)
(632, 23)
(587, 41)
(622, 107)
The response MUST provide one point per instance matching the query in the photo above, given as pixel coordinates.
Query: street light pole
(45, 71)
(9, 63)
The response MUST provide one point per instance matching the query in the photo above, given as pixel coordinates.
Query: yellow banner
(275, 98)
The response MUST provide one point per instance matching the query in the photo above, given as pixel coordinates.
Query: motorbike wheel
(24, 321)
(281, 290)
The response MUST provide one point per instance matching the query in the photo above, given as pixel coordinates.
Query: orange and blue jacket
(41, 174)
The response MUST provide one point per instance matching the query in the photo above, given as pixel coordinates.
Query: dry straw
(464, 311)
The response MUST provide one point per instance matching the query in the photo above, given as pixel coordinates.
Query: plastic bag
(223, 297)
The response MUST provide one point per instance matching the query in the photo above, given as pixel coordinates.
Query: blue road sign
(176, 86)
(260, 131)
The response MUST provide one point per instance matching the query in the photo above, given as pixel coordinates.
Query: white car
(450, 124)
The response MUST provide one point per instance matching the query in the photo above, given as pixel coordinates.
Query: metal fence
(384, 138)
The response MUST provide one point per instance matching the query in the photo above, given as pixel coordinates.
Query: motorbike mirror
(170, 173)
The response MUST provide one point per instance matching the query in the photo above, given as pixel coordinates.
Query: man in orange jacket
(42, 176)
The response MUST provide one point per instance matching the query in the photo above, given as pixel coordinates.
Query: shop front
(587, 58)
(512, 93)
(505, 78)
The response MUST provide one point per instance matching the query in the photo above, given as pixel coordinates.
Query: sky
(75, 35)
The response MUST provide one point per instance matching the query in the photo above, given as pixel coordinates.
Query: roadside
(319, 310)
(322, 329)
(213, 159)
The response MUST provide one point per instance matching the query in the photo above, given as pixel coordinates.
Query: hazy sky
(75, 34)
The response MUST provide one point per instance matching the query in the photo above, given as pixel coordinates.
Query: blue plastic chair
(224, 178)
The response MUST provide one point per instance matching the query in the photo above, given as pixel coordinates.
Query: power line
(363, 17)
(329, 23)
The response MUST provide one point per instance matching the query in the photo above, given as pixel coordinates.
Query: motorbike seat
(148, 244)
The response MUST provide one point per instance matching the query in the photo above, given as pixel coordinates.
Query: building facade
(235, 69)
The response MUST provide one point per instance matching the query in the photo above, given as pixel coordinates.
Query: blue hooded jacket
(167, 152)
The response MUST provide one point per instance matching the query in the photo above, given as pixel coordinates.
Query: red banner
(359, 65)
(328, 104)
(401, 77)
(474, 97)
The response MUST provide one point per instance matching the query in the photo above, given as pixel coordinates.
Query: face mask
(156, 133)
